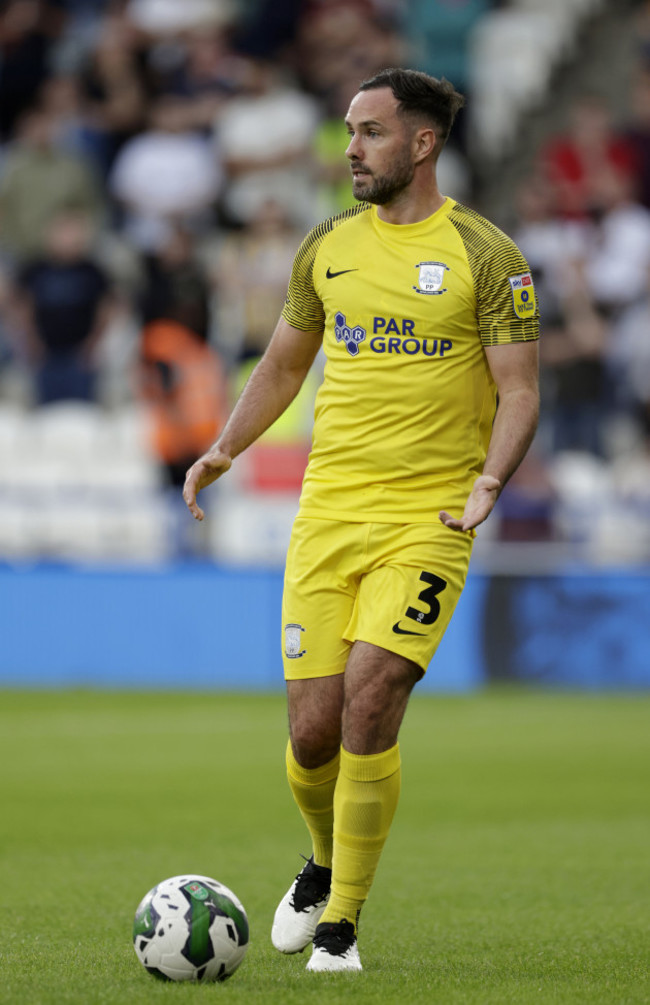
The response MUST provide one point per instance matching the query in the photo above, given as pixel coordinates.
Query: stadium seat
(79, 483)
(67, 428)
(12, 432)
(17, 537)
(513, 53)
(251, 528)
(584, 490)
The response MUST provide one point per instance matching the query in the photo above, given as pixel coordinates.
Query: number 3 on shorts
(428, 596)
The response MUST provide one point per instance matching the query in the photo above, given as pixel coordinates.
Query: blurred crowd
(160, 161)
(583, 223)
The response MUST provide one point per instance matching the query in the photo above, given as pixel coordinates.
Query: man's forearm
(272, 386)
(267, 394)
(513, 431)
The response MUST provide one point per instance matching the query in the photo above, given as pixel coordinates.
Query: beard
(383, 189)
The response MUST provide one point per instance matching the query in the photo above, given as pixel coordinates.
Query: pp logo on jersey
(430, 278)
(523, 295)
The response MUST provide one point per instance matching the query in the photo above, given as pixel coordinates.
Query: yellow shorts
(393, 585)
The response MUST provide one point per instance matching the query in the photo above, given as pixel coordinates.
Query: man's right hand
(203, 472)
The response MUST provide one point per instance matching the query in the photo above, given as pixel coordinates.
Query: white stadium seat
(79, 483)
(512, 53)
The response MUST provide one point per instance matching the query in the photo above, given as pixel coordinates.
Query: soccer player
(429, 401)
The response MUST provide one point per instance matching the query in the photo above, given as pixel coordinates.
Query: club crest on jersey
(430, 278)
(351, 335)
(293, 641)
(523, 295)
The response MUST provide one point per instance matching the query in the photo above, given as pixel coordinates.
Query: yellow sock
(365, 801)
(313, 790)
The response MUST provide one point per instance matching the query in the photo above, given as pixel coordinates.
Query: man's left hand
(478, 507)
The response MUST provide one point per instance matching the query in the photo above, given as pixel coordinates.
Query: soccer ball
(190, 928)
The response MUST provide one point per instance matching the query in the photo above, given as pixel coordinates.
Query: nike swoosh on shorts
(404, 631)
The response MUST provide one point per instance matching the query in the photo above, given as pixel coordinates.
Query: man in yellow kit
(429, 401)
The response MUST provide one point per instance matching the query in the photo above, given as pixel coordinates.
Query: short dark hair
(420, 95)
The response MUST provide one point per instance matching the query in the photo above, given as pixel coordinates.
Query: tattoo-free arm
(514, 368)
(270, 389)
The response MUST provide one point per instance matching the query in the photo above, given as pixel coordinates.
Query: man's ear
(425, 143)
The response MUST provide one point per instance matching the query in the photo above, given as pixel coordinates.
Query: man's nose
(353, 149)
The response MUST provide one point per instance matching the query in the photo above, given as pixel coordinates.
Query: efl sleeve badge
(523, 295)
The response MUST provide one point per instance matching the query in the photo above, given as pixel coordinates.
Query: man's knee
(315, 708)
(314, 743)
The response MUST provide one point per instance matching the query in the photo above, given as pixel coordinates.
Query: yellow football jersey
(404, 413)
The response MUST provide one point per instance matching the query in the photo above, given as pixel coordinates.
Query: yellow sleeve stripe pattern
(494, 259)
(303, 308)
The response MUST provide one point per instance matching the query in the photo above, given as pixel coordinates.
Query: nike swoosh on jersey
(404, 631)
(332, 275)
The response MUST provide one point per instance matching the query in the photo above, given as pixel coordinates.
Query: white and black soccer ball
(190, 928)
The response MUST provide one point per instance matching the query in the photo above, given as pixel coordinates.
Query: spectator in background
(39, 181)
(572, 346)
(8, 336)
(598, 351)
(551, 244)
(74, 126)
(181, 377)
(85, 19)
(114, 87)
(341, 40)
(573, 357)
(264, 137)
(64, 299)
(181, 381)
(571, 161)
(175, 286)
(206, 73)
(168, 173)
(638, 133)
(250, 276)
(616, 267)
(27, 30)
(267, 29)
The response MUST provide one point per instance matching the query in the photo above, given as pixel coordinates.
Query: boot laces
(335, 937)
(312, 886)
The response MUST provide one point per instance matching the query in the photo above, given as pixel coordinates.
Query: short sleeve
(506, 305)
(507, 308)
(303, 307)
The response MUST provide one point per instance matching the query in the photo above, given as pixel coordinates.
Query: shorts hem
(391, 647)
(312, 673)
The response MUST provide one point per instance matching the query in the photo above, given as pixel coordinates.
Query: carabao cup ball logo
(352, 336)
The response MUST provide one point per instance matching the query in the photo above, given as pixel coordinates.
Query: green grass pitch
(517, 870)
